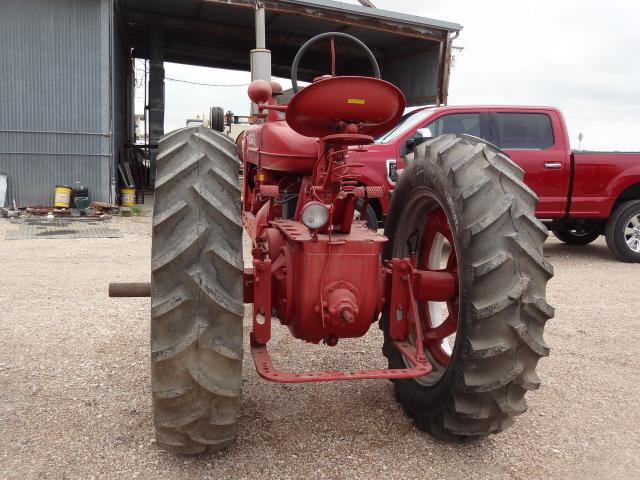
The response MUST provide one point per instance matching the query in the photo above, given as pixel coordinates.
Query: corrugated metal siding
(54, 59)
(416, 76)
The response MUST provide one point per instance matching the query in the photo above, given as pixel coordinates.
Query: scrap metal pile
(96, 211)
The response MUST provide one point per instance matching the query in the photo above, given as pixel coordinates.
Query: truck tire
(502, 275)
(623, 231)
(196, 292)
(576, 237)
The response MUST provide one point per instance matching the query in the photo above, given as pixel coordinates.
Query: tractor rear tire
(576, 237)
(502, 281)
(196, 295)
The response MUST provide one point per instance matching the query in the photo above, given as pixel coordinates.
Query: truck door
(528, 138)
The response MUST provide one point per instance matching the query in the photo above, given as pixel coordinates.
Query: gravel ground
(75, 400)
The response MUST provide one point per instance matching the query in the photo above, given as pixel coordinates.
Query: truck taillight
(392, 172)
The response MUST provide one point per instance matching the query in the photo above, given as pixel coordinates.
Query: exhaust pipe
(260, 57)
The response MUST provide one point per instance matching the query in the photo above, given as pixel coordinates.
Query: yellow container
(62, 196)
(128, 197)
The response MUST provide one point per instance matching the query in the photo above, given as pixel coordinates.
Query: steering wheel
(332, 35)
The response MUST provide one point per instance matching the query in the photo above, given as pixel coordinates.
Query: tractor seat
(326, 106)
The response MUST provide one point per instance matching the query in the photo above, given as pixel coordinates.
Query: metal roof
(379, 14)
(220, 33)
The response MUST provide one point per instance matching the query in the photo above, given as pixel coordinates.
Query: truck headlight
(315, 215)
(392, 172)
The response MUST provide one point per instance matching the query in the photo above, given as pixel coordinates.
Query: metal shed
(66, 99)
(56, 110)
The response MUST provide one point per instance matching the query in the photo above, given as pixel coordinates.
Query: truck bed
(598, 179)
(596, 152)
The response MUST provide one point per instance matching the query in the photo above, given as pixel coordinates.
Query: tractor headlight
(315, 215)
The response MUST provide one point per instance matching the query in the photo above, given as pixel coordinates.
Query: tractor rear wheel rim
(438, 253)
(435, 252)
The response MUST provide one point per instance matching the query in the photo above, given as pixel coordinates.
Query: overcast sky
(581, 56)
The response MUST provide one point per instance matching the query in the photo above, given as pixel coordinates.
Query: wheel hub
(431, 246)
(632, 233)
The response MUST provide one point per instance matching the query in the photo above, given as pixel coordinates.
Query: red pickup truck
(582, 195)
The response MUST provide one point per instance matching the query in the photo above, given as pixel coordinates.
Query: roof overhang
(413, 52)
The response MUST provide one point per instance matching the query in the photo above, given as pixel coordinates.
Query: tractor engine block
(323, 287)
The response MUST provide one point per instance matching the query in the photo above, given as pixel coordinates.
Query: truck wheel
(576, 237)
(462, 207)
(196, 295)
(623, 231)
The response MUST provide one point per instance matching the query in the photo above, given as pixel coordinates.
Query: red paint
(312, 273)
(329, 105)
(437, 285)
(275, 146)
(266, 370)
(400, 272)
(551, 185)
(259, 91)
(586, 186)
(327, 284)
(599, 179)
(261, 284)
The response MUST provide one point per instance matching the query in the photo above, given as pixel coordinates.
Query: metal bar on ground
(130, 289)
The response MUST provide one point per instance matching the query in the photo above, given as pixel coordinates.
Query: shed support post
(156, 97)
(445, 67)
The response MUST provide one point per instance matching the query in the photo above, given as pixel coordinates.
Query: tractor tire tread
(196, 312)
(501, 241)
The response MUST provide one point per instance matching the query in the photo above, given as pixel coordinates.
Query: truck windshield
(407, 121)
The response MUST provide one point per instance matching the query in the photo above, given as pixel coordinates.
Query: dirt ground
(75, 400)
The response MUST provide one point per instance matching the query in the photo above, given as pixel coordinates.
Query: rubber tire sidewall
(569, 238)
(615, 231)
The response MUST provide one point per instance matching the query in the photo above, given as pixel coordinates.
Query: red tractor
(456, 283)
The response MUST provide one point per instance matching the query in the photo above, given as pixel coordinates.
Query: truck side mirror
(425, 133)
(421, 135)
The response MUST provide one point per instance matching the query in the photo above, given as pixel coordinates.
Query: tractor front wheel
(461, 206)
(196, 295)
